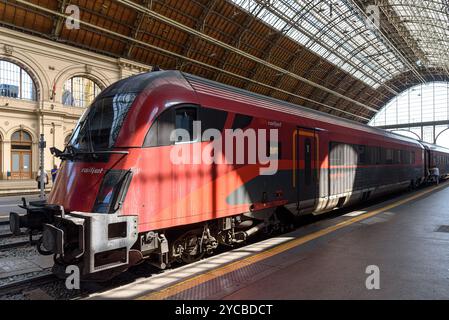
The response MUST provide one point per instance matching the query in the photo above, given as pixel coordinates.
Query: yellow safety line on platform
(220, 271)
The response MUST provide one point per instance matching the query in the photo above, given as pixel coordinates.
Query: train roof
(434, 147)
(297, 109)
(138, 83)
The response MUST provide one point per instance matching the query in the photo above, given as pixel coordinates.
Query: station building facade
(44, 89)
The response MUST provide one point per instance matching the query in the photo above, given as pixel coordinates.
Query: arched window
(15, 82)
(415, 109)
(21, 155)
(79, 92)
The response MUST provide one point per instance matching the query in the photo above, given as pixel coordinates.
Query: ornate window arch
(21, 137)
(80, 91)
(16, 82)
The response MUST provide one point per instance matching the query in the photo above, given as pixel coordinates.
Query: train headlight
(112, 191)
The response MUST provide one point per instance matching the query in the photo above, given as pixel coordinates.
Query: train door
(306, 160)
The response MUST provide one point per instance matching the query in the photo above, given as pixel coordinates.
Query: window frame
(172, 109)
(85, 103)
(187, 106)
(21, 82)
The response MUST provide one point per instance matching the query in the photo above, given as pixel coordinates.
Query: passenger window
(383, 156)
(336, 157)
(159, 133)
(362, 155)
(167, 122)
(378, 155)
(184, 120)
(308, 161)
(212, 119)
(241, 121)
(389, 156)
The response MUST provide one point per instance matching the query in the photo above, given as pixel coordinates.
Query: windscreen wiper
(63, 155)
(72, 152)
(101, 152)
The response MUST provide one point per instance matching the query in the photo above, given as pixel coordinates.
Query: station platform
(20, 187)
(405, 237)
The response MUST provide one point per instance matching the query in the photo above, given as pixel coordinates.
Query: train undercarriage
(104, 245)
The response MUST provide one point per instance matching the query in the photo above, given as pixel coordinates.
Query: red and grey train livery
(119, 199)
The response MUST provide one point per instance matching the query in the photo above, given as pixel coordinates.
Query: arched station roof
(333, 56)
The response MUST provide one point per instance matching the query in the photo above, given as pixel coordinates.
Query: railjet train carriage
(119, 199)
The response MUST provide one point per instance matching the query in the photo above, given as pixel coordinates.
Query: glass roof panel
(335, 31)
(428, 25)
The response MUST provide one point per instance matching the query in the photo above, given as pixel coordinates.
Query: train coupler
(37, 214)
(95, 242)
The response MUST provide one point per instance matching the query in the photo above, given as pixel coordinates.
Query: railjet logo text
(248, 146)
(92, 170)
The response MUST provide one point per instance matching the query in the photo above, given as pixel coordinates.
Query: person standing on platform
(54, 172)
(38, 179)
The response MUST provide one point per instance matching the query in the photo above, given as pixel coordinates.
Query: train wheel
(188, 247)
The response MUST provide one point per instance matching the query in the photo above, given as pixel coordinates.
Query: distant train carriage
(436, 161)
(121, 198)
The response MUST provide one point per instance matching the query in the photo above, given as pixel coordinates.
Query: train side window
(379, 155)
(370, 155)
(159, 133)
(212, 119)
(383, 156)
(395, 157)
(336, 154)
(362, 154)
(406, 158)
(413, 157)
(241, 121)
(184, 118)
(307, 161)
(388, 156)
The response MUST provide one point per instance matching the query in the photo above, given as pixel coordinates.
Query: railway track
(13, 245)
(10, 235)
(22, 285)
(6, 235)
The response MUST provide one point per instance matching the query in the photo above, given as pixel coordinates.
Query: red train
(120, 198)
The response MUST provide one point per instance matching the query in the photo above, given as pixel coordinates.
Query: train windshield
(99, 127)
